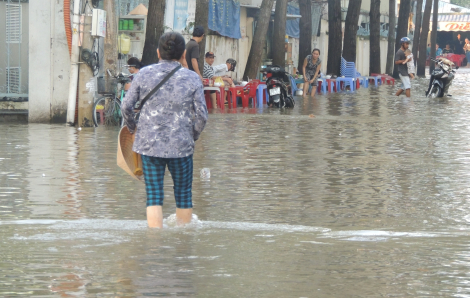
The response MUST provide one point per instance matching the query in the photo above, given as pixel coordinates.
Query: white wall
(49, 62)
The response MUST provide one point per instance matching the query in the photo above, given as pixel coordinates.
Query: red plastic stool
(208, 100)
(233, 93)
(101, 112)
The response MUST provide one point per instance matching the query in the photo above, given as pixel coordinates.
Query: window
(13, 23)
(13, 80)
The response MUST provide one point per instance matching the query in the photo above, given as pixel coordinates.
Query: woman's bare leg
(305, 89)
(314, 91)
(183, 216)
(155, 217)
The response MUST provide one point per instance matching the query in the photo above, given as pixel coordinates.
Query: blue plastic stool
(259, 95)
(376, 79)
(347, 81)
(364, 81)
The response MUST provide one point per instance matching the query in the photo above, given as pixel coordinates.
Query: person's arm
(221, 68)
(128, 103)
(304, 69)
(200, 112)
(399, 61)
(195, 65)
(316, 73)
(228, 80)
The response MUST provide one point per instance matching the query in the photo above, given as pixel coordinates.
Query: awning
(453, 22)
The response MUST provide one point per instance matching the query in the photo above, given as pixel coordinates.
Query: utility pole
(86, 82)
(110, 41)
(74, 64)
(435, 13)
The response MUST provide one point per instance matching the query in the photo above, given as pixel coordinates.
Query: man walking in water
(400, 57)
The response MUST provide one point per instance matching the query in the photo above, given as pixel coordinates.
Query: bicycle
(107, 109)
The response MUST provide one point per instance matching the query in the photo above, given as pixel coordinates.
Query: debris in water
(206, 173)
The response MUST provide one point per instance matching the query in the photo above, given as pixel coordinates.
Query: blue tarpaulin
(224, 17)
(292, 26)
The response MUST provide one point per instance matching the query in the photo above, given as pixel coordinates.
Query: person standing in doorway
(400, 59)
(170, 122)
(192, 51)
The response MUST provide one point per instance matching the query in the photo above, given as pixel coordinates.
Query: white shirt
(220, 70)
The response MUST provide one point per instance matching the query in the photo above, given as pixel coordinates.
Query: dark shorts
(181, 170)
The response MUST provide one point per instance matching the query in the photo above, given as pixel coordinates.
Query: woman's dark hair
(316, 50)
(171, 46)
(134, 61)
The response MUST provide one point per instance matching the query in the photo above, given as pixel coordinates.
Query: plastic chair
(322, 85)
(233, 93)
(331, 84)
(347, 82)
(208, 100)
(251, 90)
(260, 91)
(364, 81)
(293, 85)
(376, 79)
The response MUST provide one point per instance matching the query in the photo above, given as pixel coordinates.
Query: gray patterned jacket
(171, 119)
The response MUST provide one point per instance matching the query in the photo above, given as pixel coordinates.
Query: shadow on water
(348, 194)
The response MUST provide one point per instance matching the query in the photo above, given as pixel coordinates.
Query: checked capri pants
(181, 170)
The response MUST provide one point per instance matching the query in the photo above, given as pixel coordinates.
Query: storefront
(452, 29)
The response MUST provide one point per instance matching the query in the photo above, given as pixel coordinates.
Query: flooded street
(368, 198)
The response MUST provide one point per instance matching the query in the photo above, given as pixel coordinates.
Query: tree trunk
(110, 41)
(417, 35)
(279, 52)
(202, 19)
(374, 57)
(424, 40)
(334, 37)
(259, 40)
(305, 24)
(433, 34)
(155, 29)
(402, 29)
(350, 30)
(391, 36)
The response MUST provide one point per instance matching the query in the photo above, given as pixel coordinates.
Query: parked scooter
(441, 78)
(278, 85)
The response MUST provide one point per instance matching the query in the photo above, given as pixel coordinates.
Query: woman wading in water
(171, 120)
(311, 71)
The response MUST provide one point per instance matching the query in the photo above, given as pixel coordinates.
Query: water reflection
(368, 198)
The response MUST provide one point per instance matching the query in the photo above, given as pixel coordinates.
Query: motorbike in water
(441, 78)
(278, 85)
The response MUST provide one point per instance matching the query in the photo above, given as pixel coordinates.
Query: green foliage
(464, 3)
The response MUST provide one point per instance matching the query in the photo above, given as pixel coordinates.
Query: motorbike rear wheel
(436, 91)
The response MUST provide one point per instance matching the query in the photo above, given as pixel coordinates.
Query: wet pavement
(367, 198)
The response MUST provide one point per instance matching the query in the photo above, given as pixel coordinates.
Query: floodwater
(368, 198)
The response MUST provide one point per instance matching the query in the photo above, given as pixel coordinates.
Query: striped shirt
(208, 72)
